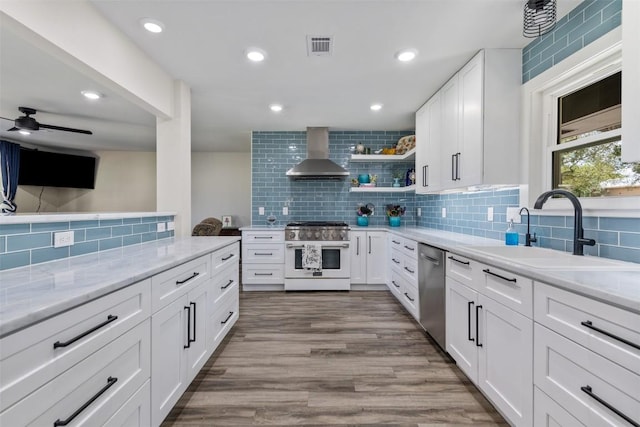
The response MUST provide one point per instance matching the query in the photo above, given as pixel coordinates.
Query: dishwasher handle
(433, 260)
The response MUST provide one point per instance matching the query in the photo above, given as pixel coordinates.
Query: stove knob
(343, 235)
(292, 235)
(326, 234)
(317, 235)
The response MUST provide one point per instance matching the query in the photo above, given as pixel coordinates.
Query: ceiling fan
(28, 123)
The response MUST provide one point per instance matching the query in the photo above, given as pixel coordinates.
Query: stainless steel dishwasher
(431, 291)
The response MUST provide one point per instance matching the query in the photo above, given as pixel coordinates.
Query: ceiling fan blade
(12, 129)
(86, 132)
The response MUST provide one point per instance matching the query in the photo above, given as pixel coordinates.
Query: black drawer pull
(263, 253)
(395, 260)
(513, 279)
(457, 260)
(393, 241)
(409, 270)
(589, 325)
(469, 304)
(263, 274)
(409, 248)
(587, 389)
(477, 323)
(110, 318)
(182, 282)
(227, 319)
(394, 284)
(188, 345)
(195, 319)
(263, 237)
(227, 285)
(228, 257)
(110, 381)
(408, 297)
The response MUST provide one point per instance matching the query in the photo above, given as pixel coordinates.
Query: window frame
(594, 62)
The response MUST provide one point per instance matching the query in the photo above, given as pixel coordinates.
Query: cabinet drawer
(225, 256)
(461, 269)
(224, 281)
(396, 258)
(226, 316)
(512, 290)
(395, 242)
(30, 358)
(171, 284)
(547, 412)
(263, 254)
(565, 371)
(111, 375)
(410, 248)
(262, 236)
(410, 270)
(409, 299)
(136, 412)
(262, 274)
(396, 282)
(574, 316)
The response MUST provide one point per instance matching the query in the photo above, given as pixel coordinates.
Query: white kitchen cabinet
(491, 343)
(473, 138)
(403, 272)
(428, 145)
(368, 257)
(262, 259)
(547, 412)
(630, 81)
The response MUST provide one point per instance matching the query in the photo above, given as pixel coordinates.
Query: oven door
(336, 261)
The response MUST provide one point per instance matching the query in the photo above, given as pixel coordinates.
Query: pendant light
(539, 17)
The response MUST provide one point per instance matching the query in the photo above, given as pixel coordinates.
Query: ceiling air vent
(319, 45)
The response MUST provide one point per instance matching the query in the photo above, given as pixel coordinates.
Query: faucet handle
(533, 239)
(587, 242)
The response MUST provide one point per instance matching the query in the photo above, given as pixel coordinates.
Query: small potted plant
(394, 212)
(363, 212)
(397, 176)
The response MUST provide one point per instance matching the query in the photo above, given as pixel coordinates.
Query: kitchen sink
(549, 259)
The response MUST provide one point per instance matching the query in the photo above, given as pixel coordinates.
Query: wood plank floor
(329, 358)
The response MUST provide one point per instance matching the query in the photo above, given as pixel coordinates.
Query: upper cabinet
(630, 81)
(467, 134)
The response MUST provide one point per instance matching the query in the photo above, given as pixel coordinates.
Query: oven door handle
(324, 246)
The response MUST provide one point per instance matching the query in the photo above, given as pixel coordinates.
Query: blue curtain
(10, 166)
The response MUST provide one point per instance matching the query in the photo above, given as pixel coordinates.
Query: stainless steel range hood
(317, 165)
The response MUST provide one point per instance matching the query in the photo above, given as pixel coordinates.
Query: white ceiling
(204, 43)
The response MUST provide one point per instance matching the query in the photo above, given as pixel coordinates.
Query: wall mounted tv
(44, 168)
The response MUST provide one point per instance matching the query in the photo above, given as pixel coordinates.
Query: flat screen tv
(44, 168)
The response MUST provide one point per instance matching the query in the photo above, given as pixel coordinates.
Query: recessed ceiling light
(90, 94)
(256, 55)
(24, 132)
(376, 107)
(406, 55)
(152, 25)
(276, 108)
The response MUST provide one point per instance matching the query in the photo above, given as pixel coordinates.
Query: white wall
(221, 185)
(125, 182)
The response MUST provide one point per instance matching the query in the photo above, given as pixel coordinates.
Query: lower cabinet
(368, 257)
(493, 345)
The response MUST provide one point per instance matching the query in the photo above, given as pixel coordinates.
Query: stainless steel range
(329, 240)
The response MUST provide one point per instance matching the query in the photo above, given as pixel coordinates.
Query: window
(586, 156)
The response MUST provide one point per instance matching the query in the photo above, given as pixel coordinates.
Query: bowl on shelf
(368, 184)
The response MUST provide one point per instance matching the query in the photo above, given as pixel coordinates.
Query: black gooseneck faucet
(578, 232)
(527, 237)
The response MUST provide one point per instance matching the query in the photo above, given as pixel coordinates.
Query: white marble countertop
(63, 217)
(31, 294)
(620, 287)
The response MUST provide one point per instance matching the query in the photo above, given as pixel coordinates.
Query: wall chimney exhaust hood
(317, 165)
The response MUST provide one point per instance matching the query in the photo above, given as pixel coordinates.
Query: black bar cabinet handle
(263, 274)
(408, 297)
(263, 253)
(226, 258)
(110, 381)
(395, 284)
(188, 308)
(193, 276)
(369, 244)
(409, 248)
(227, 285)
(425, 176)
(263, 237)
(469, 304)
(395, 260)
(587, 389)
(478, 307)
(110, 318)
(513, 279)
(357, 245)
(195, 319)
(457, 260)
(394, 242)
(589, 325)
(453, 161)
(228, 317)
(409, 270)
(458, 167)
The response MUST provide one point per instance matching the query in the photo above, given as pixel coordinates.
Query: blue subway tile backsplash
(587, 22)
(26, 243)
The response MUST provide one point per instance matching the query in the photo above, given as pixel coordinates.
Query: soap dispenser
(511, 236)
